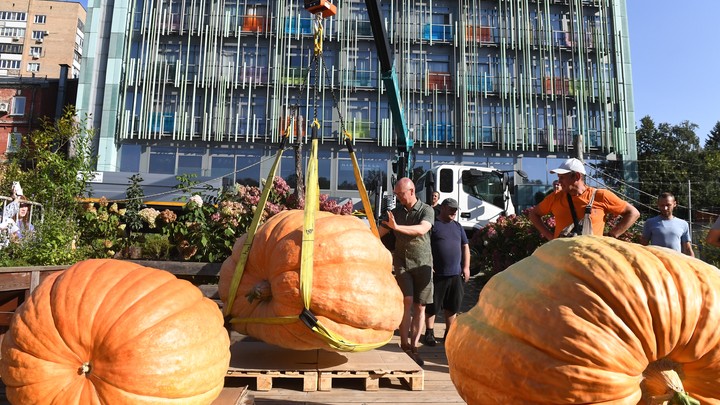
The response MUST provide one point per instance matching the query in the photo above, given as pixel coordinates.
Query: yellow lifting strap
(318, 37)
(312, 205)
(252, 229)
(361, 186)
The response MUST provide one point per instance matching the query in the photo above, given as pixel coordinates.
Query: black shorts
(448, 294)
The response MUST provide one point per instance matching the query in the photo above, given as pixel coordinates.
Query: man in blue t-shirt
(451, 268)
(666, 230)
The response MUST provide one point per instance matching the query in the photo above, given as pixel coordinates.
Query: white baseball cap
(570, 165)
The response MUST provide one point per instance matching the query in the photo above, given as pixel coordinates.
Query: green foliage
(52, 243)
(712, 143)
(499, 245)
(135, 196)
(103, 228)
(53, 164)
(156, 246)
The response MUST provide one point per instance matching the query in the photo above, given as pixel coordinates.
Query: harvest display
(592, 320)
(354, 293)
(114, 332)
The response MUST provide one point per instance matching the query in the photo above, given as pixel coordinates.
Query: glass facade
(478, 79)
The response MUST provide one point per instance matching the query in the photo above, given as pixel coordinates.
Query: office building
(206, 87)
(36, 36)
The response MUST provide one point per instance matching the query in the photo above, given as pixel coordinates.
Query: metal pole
(690, 208)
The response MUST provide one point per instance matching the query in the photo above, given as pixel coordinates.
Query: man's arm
(382, 231)
(537, 221)
(687, 249)
(645, 237)
(466, 262)
(629, 215)
(412, 230)
(713, 237)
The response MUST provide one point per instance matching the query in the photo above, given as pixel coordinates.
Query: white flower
(197, 200)
(149, 215)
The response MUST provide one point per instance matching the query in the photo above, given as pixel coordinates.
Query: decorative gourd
(591, 320)
(114, 332)
(353, 291)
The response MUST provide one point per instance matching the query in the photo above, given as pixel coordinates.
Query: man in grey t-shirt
(666, 230)
(411, 221)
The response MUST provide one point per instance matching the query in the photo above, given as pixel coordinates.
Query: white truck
(482, 193)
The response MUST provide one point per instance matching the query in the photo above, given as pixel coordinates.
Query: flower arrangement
(205, 230)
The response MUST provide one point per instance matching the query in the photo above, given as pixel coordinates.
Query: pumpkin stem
(84, 369)
(662, 384)
(260, 291)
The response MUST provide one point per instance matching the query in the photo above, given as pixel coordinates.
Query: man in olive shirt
(411, 221)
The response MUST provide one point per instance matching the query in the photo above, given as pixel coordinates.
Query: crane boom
(404, 165)
(389, 77)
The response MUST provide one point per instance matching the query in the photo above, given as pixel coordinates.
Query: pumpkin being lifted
(353, 291)
(114, 332)
(590, 320)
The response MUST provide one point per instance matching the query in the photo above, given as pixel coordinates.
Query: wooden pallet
(318, 368)
(386, 362)
(264, 363)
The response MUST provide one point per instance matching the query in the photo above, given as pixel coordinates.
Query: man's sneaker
(430, 338)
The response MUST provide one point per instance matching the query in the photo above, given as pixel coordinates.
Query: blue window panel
(437, 32)
(481, 84)
(291, 26)
(130, 157)
(487, 135)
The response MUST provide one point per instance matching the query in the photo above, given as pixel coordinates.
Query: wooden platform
(385, 362)
(319, 368)
(265, 363)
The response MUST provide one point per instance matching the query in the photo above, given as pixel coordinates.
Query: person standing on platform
(451, 268)
(411, 221)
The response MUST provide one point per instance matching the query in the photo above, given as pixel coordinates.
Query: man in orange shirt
(571, 175)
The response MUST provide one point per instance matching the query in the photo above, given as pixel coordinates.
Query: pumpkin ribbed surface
(591, 320)
(113, 332)
(353, 291)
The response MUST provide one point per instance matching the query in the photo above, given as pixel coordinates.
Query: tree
(712, 143)
(53, 178)
(668, 156)
(46, 172)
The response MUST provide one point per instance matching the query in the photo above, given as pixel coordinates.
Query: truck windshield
(486, 186)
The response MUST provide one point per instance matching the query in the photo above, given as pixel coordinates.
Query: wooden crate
(386, 362)
(264, 363)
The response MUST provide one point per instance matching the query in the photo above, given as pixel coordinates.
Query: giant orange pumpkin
(591, 320)
(353, 291)
(113, 332)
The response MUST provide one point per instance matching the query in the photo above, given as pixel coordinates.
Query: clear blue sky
(675, 57)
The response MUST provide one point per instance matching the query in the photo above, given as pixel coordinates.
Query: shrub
(498, 245)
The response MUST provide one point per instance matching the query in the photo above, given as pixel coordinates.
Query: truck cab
(482, 193)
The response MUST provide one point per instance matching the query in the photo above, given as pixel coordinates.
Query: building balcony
(295, 76)
(478, 33)
(437, 32)
(254, 23)
(355, 78)
(439, 81)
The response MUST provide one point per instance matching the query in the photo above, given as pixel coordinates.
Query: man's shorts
(448, 294)
(416, 283)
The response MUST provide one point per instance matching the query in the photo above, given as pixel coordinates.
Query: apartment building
(37, 36)
(206, 87)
